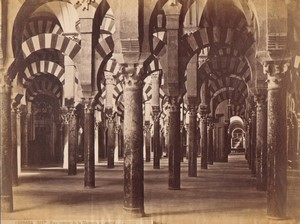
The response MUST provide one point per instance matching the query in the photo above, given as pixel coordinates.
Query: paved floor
(225, 193)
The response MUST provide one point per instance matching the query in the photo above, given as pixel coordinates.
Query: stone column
(133, 143)
(96, 141)
(110, 144)
(147, 133)
(65, 137)
(72, 141)
(89, 154)
(156, 138)
(116, 153)
(19, 139)
(253, 142)
(14, 145)
(277, 153)
(203, 136)
(182, 141)
(187, 134)
(261, 143)
(210, 146)
(174, 143)
(226, 150)
(6, 146)
(155, 82)
(193, 151)
(24, 137)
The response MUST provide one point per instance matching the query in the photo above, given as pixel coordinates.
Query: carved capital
(203, 109)
(97, 124)
(155, 76)
(117, 129)
(85, 4)
(203, 118)
(109, 78)
(261, 101)
(276, 72)
(174, 103)
(155, 113)
(109, 117)
(132, 74)
(192, 109)
(89, 108)
(67, 114)
(147, 127)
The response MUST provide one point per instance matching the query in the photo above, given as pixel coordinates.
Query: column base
(261, 188)
(156, 167)
(192, 175)
(174, 188)
(89, 187)
(6, 204)
(134, 212)
(274, 218)
(110, 166)
(72, 174)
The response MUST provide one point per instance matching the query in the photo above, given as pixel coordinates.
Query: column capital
(192, 109)
(155, 113)
(276, 72)
(174, 103)
(132, 74)
(147, 127)
(155, 76)
(109, 78)
(96, 124)
(89, 107)
(203, 109)
(109, 117)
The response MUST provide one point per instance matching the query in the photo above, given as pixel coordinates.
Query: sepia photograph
(150, 111)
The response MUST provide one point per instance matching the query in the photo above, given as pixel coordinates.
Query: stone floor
(225, 193)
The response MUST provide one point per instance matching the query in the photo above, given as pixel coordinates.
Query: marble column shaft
(147, 129)
(72, 142)
(261, 143)
(6, 152)
(89, 154)
(133, 145)
(203, 139)
(156, 138)
(174, 143)
(210, 146)
(277, 130)
(193, 151)
(110, 142)
(14, 145)
(253, 143)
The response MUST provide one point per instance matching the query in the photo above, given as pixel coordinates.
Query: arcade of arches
(84, 81)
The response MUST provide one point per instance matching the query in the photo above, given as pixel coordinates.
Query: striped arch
(39, 67)
(41, 25)
(118, 90)
(147, 92)
(207, 36)
(236, 97)
(159, 42)
(112, 66)
(44, 86)
(217, 67)
(50, 41)
(119, 106)
(223, 82)
(100, 98)
(105, 44)
(152, 65)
